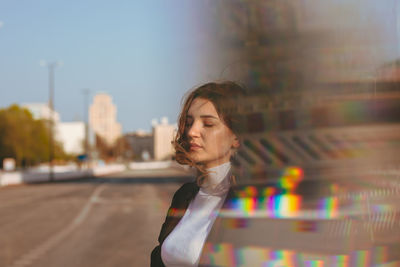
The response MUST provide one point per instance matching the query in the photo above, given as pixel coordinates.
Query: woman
(206, 140)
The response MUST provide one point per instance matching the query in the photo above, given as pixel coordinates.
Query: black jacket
(179, 204)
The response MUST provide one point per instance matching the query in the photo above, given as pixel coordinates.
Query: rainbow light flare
(248, 205)
(341, 260)
(380, 254)
(222, 254)
(248, 191)
(225, 254)
(173, 212)
(249, 201)
(269, 191)
(291, 177)
(256, 254)
(279, 206)
(314, 263)
(284, 257)
(361, 258)
(328, 207)
(284, 206)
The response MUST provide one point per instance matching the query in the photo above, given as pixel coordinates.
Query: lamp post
(51, 66)
(86, 92)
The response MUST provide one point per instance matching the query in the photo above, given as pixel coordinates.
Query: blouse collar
(217, 181)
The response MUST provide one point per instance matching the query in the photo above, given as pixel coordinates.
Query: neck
(214, 164)
(217, 174)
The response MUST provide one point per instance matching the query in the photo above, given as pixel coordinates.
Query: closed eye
(188, 123)
(209, 122)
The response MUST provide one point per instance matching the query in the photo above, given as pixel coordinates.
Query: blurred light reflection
(225, 255)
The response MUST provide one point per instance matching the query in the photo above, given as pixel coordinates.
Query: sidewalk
(60, 173)
(134, 169)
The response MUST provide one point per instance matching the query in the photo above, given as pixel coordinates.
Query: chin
(198, 160)
(194, 157)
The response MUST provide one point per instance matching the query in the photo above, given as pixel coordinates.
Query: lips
(194, 146)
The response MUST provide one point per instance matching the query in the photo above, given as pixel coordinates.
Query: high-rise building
(103, 118)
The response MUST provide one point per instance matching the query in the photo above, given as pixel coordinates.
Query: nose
(194, 130)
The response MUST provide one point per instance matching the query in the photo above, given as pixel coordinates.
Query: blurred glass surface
(318, 177)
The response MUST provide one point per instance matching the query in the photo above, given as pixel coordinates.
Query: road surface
(108, 221)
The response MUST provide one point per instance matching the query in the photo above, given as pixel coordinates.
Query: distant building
(41, 111)
(72, 136)
(163, 134)
(142, 144)
(103, 118)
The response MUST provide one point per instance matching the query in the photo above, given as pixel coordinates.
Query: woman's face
(211, 141)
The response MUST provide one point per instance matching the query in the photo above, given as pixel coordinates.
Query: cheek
(220, 140)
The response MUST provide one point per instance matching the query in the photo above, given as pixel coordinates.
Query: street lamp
(51, 66)
(86, 92)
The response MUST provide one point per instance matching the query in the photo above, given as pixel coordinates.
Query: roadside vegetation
(26, 139)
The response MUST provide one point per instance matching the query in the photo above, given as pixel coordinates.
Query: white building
(163, 134)
(41, 111)
(72, 136)
(103, 118)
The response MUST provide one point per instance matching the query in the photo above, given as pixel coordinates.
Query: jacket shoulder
(186, 192)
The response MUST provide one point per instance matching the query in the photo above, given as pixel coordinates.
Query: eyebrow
(203, 117)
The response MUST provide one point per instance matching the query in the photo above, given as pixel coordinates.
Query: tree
(119, 150)
(122, 150)
(104, 149)
(24, 138)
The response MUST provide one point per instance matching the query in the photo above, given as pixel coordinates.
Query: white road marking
(28, 258)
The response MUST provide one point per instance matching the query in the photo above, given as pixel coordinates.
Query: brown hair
(224, 96)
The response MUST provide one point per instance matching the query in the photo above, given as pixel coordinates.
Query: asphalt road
(108, 221)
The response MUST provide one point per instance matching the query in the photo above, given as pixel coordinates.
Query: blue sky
(145, 53)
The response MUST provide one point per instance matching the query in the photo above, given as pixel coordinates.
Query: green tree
(24, 138)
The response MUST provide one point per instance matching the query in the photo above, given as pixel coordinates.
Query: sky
(146, 54)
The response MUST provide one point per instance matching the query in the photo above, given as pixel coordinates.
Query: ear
(236, 142)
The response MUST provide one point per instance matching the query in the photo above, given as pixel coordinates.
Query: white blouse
(184, 244)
